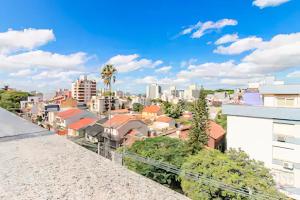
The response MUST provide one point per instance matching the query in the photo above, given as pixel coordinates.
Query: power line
(198, 177)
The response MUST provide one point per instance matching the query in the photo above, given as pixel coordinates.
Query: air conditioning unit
(287, 165)
(281, 138)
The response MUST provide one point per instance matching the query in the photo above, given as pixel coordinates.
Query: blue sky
(45, 45)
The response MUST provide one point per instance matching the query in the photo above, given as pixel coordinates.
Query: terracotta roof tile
(82, 123)
(152, 109)
(118, 120)
(216, 131)
(164, 119)
(69, 113)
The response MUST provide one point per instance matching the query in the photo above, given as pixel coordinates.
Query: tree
(221, 120)
(233, 168)
(137, 107)
(108, 75)
(198, 134)
(10, 100)
(164, 149)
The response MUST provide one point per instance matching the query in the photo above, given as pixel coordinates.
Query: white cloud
(27, 39)
(200, 29)
(295, 74)
(188, 62)
(161, 81)
(56, 74)
(128, 63)
(240, 46)
(164, 69)
(42, 59)
(268, 3)
(146, 80)
(228, 38)
(280, 53)
(22, 73)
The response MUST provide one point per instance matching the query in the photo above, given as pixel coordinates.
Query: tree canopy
(137, 107)
(198, 133)
(233, 168)
(10, 100)
(165, 149)
(221, 120)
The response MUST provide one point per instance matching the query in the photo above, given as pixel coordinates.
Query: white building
(153, 91)
(83, 89)
(100, 104)
(191, 93)
(270, 133)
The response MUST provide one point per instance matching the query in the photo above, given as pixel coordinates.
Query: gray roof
(52, 167)
(280, 89)
(11, 125)
(262, 112)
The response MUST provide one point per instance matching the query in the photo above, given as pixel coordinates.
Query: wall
(253, 135)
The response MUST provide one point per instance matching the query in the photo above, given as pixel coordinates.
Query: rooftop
(118, 120)
(82, 123)
(69, 113)
(52, 167)
(164, 119)
(152, 109)
(280, 113)
(280, 89)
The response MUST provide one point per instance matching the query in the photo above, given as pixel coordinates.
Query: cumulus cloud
(42, 59)
(128, 63)
(240, 46)
(22, 73)
(295, 74)
(268, 3)
(280, 53)
(228, 38)
(57, 74)
(164, 69)
(161, 81)
(201, 28)
(27, 39)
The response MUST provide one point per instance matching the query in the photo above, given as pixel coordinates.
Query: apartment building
(83, 89)
(153, 91)
(270, 133)
(100, 104)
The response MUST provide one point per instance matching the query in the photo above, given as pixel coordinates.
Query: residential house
(67, 117)
(76, 129)
(151, 112)
(120, 127)
(94, 133)
(270, 133)
(163, 122)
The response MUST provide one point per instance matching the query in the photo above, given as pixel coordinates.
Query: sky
(45, 45)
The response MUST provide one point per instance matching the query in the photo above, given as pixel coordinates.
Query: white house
(164, 122)
(270, 133)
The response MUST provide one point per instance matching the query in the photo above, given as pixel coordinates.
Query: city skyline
(210, 43)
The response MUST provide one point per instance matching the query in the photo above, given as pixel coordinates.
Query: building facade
(153, 91)
(270, 133)
(83, 89)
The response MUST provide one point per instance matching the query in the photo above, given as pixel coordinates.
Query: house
(94, 132)
(65, 118)
(120, 127)
(216, 135)
(151, 112)
(163, 122)
(119, 111)
(76, 129)
(270, 133)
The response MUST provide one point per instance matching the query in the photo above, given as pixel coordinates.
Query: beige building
(83, 89)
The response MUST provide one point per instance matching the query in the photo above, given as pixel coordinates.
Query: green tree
(10, 100)
(221, 120)
(166, 107)
(164, 149)
(198, 133)
(233, 168)
(137, 107)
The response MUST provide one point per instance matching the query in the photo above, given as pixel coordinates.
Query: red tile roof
(118, 120)
(152, 109)
(120, 111)
(215, 131)
(82, 123)
(164, 119)
(69, 113)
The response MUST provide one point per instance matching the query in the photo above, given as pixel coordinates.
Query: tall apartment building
(192, 92)
(270, 133)
(153, 91)
(83, 89)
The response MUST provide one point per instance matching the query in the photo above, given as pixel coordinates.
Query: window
(285, 102)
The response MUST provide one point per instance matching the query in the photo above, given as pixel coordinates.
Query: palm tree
(108, 75)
